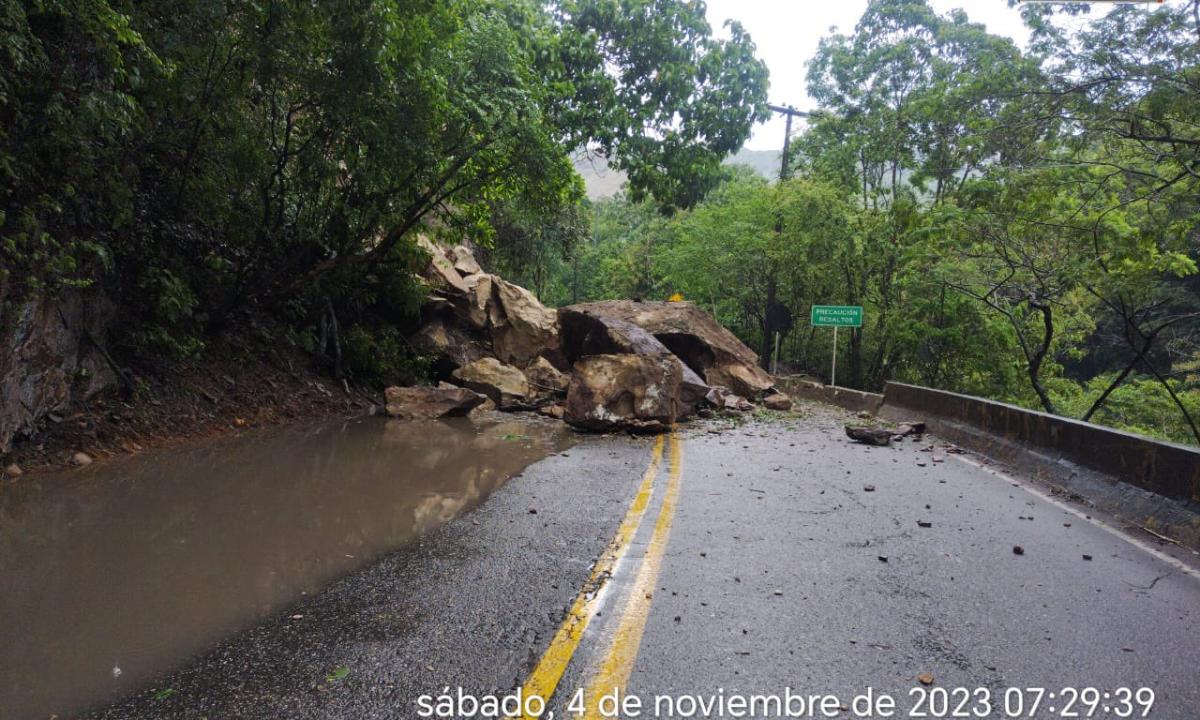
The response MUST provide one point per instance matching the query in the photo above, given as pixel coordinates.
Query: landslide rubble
(617, 364)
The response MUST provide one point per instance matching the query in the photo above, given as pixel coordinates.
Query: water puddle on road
(141, 563)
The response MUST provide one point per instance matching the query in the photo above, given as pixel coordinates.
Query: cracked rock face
(636, 392)
(47, 359)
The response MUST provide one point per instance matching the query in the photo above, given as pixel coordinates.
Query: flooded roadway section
(115, 573)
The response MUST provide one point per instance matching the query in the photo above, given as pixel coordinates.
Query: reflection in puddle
(112, 574)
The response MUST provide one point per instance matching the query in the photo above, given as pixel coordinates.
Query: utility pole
(769, 357)
(790, 112)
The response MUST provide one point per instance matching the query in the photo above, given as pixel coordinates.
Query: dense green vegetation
(208, 162)
(1020, 225)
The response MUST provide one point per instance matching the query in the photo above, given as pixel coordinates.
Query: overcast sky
(787, 32)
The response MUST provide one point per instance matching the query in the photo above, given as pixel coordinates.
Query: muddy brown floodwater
(112, 574)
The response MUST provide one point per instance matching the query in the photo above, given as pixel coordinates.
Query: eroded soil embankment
(229, 389)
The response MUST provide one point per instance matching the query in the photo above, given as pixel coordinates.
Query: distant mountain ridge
(605, 182)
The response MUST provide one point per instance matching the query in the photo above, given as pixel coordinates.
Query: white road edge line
(1028, 487)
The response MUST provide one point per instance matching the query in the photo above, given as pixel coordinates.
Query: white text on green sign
(837, 315)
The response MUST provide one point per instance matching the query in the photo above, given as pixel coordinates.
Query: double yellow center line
(617, 665)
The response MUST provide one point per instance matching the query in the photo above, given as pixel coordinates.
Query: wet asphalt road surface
(771, 554)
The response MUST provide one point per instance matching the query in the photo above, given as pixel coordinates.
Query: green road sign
(837, 315)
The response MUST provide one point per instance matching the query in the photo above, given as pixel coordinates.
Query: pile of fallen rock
(599, 366)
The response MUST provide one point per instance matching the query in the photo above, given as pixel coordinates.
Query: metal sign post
(833, 370)
(836, 316)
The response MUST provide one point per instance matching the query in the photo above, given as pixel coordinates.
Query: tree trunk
(1039, 356)
(764, 357)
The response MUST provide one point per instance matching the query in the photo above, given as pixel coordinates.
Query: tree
(1020, 258)
(1124, 85)
(208, 161)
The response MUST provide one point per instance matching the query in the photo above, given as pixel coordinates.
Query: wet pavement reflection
(112, 574)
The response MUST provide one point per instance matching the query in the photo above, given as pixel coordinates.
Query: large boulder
(636, 392)
(747, 380)
(504, 384)
(584, 331)
(427, 403)
(693, 335)
(528, 328)
(587, 330)
(480, 309)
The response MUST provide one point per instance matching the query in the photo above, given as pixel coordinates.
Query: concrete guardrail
(853, 400)
(1151, 483)
(1164, 468)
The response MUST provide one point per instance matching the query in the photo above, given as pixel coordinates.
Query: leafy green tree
(69, 116)
(208, 161)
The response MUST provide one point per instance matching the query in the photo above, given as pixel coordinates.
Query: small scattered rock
(925, 678)
(1018, 550)
(81, 459)
(778, 402)
(869, 435)
(883, 558)
(553, 411)
(924, 524)
(868, 488)
(14, 471)
(1087, 557)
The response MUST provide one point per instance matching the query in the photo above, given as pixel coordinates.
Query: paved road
(733, 559)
